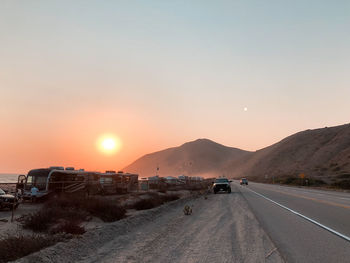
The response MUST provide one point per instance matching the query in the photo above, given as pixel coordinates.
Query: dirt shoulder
(8, 228)
(220, 229)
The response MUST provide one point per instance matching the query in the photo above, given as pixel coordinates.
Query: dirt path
(220, 229)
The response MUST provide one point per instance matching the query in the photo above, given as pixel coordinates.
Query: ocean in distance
(8, 178)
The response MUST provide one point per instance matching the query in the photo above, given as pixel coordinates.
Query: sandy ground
(8, 228)
(220, 229)
(11, 228)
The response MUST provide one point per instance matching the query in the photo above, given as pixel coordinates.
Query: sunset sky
(156, 74)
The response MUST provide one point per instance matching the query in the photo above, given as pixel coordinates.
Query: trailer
(56, 180)
(120, 182)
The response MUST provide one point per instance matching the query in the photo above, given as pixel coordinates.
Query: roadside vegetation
(60, 219)
(15, 247)
(340, 181)
(301, 181)
(153, 200)
(342, 184)
(66, 214)
(47, 218)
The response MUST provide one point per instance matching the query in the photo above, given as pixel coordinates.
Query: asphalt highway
(306, 225)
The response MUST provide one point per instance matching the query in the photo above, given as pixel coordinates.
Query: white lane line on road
(305, 217)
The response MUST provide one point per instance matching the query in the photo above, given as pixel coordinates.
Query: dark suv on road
(222, 184)
(7, 200)
(244, 181)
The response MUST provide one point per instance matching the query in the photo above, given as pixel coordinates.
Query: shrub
(144, 204)
(343, 184)
(291, 180)
(153, 201)
(70, 227)
(194, 187)
(104, 209)
(76, 210)
(14, 247)
(66, 202)
(316, 182)
(42, 220)
(170, 197)
(346, 175)
(39, 221)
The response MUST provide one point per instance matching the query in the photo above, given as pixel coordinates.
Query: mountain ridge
(191, 158)
(321, 152)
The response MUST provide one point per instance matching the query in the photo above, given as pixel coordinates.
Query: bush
(195, 187)
(291, 180)
(343, 184)
(42, 220)
(346, 175)
(144, 204)
(70, 227)
(39, 221)
(153, 201)
(170, 197)
(316, 182)
(14, 247)
(298, 181)
(76, 210)
(104, 209)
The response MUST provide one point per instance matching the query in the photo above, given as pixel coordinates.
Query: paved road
(298, 239)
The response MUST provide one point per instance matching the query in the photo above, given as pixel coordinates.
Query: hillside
(320, 153)
(202, 157)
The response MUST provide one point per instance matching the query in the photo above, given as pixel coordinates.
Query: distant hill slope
(321, 152)
(202, 157)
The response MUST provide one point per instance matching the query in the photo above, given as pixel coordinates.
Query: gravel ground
(220, 229)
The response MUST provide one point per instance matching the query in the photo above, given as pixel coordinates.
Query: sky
(157, 74)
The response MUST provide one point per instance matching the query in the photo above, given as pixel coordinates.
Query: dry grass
(105, 209)
(342, 184)
(69, 227)
(153, 201)
(45, 218)
(14, 247)
(75, 210)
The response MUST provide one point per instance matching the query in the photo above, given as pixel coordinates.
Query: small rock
(187, 210)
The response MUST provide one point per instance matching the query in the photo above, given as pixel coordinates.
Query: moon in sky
(245, 109)
(109, 144)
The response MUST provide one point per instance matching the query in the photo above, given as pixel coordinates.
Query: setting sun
(109, 144)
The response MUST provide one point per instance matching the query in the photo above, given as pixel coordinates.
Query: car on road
(222, 184)
(243, 181)
(8, 200)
